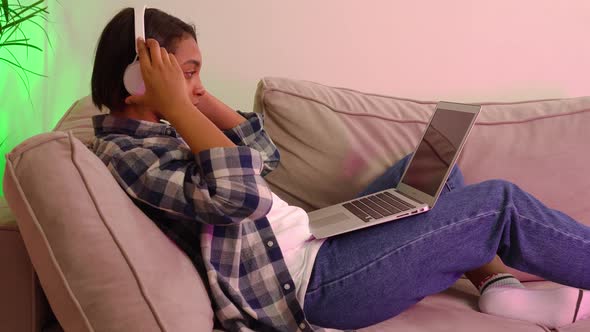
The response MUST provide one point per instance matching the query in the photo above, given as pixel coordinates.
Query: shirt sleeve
(251, 133)
(220, 186)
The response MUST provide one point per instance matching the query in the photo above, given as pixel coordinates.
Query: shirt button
(287, 286)
(270, 243)
(302, 326)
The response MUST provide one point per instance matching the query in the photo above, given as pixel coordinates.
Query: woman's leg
(367, 276)
(494, 268)
(391, 177)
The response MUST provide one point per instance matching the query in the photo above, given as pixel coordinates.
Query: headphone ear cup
(133, 80)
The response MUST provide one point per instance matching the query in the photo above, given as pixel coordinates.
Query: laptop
(420, 185)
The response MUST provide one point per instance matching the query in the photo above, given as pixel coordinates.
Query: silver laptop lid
(437, 151)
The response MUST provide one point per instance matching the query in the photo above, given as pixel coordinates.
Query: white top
(291, 227)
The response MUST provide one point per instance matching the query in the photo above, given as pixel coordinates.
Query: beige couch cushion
(334, 141)
(78, 120)
(102, 263)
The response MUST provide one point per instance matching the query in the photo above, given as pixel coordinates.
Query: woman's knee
(499, 187)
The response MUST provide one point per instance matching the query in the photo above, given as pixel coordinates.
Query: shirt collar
(107, 124)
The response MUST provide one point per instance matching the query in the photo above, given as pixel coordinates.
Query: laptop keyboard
(377, 206)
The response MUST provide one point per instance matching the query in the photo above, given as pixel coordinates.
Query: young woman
(200, 178)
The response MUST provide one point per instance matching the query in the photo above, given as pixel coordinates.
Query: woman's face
(189, 57)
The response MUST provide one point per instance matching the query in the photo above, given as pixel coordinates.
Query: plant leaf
(21, 19)
(18, 19)
(11, 30)
(34, 6)
(11, 43)
(25, 81)
(29, 11)
(19, 66)
(19, 40)
(5, 10)
(45, 32)
(3, 141)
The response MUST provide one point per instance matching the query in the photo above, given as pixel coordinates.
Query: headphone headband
(139, 14)
(132, 78)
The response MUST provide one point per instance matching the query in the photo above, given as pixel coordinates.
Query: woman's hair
(116, 50)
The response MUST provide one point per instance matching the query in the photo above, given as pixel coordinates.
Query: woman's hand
(165, 86)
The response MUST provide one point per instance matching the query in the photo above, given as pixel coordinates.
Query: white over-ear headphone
(132, 79)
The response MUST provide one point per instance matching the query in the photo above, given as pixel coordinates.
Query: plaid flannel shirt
(213, 205)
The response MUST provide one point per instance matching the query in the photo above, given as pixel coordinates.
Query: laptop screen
(437, 149)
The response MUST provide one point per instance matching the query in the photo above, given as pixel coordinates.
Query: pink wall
(453, 49)
(461, 50)
(457, 50)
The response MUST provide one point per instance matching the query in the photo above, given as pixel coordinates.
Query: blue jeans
(367, 276)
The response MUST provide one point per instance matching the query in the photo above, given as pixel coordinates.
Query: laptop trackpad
(331, 220)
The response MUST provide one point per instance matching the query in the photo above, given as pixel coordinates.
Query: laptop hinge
(410, 197)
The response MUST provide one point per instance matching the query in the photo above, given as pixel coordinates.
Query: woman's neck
(137, 113)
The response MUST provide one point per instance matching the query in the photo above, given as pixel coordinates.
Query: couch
(69, 234)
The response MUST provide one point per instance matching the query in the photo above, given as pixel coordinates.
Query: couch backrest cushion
(103, 264)
(334, 141)
(78, 119)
